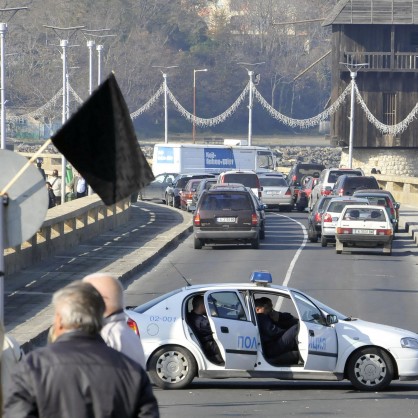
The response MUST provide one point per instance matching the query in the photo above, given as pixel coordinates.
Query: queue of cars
(229, 207)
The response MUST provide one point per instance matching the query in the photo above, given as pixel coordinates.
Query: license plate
(273, 193)
(225, 220)
(363, 231)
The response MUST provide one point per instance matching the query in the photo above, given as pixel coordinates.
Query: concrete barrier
(65, 227)
(403, 189)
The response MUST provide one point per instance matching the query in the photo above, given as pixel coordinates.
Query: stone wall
(390, 162)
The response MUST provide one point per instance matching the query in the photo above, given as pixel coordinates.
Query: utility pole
(90, 34)
(165, 99)
(250, 98)
(3, 31)
(64, 42)
(353, 68)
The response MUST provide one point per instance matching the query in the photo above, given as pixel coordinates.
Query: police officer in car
(200, 324)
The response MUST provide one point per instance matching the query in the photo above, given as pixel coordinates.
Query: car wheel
(172, 367)
(255, 243)
(312, 235)
(262, 233)
(198, 244)
(370, 369)
(324, 241)
(300, 208)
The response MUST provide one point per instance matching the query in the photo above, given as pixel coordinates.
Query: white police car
(331, 346)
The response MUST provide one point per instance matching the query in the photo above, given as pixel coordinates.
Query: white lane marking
(298, 252)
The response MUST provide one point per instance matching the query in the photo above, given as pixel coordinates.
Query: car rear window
(366, 214)
(226, 201)
(273, 182)
(248, 180)
(308, 170)
(333, 175)
(365, 182)
(337, 207)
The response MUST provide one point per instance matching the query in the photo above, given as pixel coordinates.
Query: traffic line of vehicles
(326, 192)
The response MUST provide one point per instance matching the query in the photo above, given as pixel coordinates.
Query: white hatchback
(333, 213)
(364, 226)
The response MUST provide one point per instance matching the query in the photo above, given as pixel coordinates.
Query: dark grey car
(226, 216)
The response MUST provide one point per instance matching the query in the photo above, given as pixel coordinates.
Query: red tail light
(384, 232)
(327, 217)
(254, 219)
(325, 192)
(341, 192)
(294, 178)
(133, 326)
(317, 217)
(288, 193)
(344, 230)
(196, 219)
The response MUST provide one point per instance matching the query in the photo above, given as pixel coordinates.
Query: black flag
(100, 142)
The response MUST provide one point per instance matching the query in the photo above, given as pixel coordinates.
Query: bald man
(116, 331)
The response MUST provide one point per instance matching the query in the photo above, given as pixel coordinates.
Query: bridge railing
(404, 189)
(65, 226)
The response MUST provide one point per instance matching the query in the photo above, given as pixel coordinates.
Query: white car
(331, 346)
(330, 217)
(364, 226)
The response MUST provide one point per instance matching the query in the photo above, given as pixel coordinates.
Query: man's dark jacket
(79, 376)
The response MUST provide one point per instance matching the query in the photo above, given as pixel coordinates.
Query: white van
(192, 158)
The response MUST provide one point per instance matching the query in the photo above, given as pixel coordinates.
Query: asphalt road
(364, 284)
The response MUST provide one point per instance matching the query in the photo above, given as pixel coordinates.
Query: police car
(331, 346)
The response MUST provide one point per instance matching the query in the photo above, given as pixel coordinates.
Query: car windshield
(273, 182)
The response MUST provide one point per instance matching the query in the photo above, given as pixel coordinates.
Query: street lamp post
(250, 99)
(3, 30)
(65, 112)
(90, 45)
(165, 99)
(99, 49)
(353, 68)
(194, 102)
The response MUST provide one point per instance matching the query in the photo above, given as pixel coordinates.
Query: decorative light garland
(149, 104)
(386, 129)
(203, 122)
(212, 121)
(303, 123)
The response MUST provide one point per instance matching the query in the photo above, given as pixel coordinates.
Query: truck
(202, 158)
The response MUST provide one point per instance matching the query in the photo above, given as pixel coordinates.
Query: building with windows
(383, 34)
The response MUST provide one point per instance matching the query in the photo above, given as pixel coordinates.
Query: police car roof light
(261, 278)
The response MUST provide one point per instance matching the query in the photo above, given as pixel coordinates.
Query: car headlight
(409, 342)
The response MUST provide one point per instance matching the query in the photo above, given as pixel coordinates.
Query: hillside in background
(188, 34)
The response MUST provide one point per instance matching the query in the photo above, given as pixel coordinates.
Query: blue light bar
(262, 277)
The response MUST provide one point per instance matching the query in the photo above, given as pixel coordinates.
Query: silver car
(156, 189)
(275, 191)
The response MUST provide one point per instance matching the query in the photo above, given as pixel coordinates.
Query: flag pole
(3, 202)
(24, 168)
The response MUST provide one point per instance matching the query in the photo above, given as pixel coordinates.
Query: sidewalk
(122, 252)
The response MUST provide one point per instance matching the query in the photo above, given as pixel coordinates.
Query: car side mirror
(397, 205)
(331, 319)
(264, 206)
(261, 188)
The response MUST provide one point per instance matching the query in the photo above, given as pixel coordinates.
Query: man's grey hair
(80, 306)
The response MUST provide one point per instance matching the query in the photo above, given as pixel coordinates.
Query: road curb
(135, 262)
